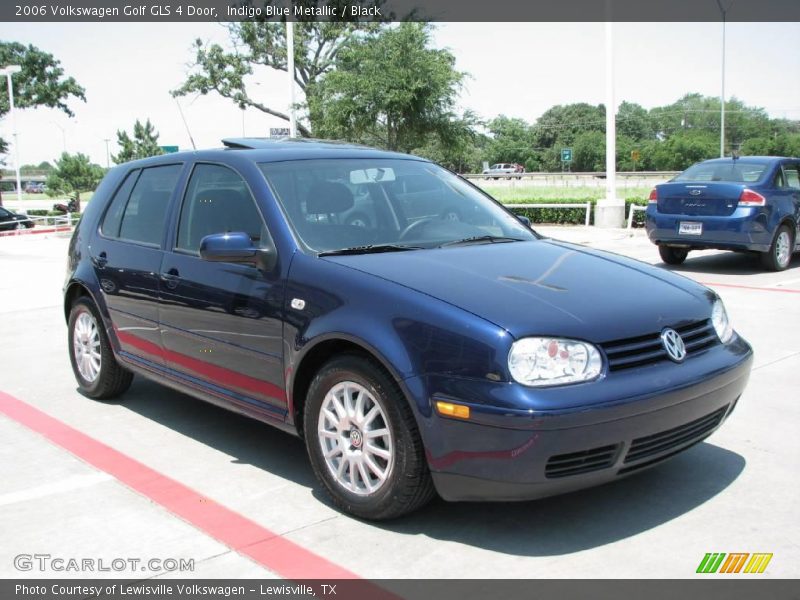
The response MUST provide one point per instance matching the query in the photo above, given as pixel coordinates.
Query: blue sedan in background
(743, 204)
(413, 352)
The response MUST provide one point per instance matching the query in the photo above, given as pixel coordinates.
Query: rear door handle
(100, 260)
(171, 278)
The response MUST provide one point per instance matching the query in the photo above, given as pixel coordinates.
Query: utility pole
(724, 10)
(8, 72)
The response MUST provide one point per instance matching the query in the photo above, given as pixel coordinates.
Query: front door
(221, 322)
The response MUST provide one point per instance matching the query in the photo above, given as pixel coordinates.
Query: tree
(144, 143)
(459, 147)
(392, 90)
(316, 47)
(41, 82)
(73, 175)
(513, 141)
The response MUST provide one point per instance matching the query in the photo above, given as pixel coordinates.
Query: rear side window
(733, 171)
(113, 218)
(792, 176)
(218, 201)
(146, 209)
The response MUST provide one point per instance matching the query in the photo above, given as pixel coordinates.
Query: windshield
(732, 171)
(342, 204)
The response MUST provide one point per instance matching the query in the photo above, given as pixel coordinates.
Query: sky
(515, 69)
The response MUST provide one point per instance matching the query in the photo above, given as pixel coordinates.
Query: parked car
(11, 220)
(504, 169)
(414, 354)
(747, 204)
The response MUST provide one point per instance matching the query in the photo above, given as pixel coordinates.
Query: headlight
(541, 361)
(722, 325)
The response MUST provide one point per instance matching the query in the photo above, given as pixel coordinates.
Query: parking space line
(267, 548)
(68, 484)
(748, 287)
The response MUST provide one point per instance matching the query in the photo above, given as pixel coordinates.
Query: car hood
(546, 287)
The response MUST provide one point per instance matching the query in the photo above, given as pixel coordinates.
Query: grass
(531, 193)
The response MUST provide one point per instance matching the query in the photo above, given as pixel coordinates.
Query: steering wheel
(415, 226)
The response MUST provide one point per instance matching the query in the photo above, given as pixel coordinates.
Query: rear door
(221, 322)
(126, 256)
(791, 177)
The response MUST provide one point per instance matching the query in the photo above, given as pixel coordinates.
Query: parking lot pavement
(737, 492)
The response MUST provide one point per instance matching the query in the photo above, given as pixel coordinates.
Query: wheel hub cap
(782, 248)
(86, 347)
(355, 438)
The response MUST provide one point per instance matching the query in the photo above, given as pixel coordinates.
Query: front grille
(672, 439)
(648, 349)
(575, 463)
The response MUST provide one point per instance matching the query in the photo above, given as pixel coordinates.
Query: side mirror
(236, 247)
(524, 220)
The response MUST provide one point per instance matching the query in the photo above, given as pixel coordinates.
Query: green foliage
(73, 174)
(316, 47)
(392, 91)
(41, 82)
(512, 141)
(458, 146)
(144, 143)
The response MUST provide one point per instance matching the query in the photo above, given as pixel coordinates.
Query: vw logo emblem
(356, 438)
(695, 192)
(673, 344)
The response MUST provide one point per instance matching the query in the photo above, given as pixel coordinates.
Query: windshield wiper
(370, 249)
(480, 239)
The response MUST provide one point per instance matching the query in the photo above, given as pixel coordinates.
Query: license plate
(690, 228)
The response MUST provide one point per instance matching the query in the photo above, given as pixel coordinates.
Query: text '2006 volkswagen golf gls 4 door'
(416, 334)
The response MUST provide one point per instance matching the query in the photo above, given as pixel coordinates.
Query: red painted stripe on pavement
(748, 287)
(239, 533)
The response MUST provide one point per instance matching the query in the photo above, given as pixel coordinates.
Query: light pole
(108, 156)
(290, 70)
(8, 72)
(724, 10)
(63, 135)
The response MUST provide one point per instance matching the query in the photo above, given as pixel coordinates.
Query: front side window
(337, 204)
(143, 219)
(218, 201)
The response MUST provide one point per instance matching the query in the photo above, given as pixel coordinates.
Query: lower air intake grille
(685, 435)
(575, 463)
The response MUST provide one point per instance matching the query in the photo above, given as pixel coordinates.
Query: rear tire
(779, 255)
(97, 372)
(363, 441)
(673, 256)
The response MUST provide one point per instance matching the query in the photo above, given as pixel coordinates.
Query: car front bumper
(745, 229)
(528, 454)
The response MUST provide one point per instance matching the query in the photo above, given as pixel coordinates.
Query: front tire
(779, 255)
(673, 256)
(97, 372)
(363, 441)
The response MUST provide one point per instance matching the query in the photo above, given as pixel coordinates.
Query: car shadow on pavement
(246, 440)
(587, 518)
(552, 526)
(724, 263)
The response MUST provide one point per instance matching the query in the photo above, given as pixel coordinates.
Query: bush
(571, 216)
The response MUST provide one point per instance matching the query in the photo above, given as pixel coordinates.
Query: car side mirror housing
(524, 220)
(236, 247)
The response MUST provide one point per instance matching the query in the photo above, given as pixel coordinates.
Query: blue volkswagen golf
(747, 204)
(439, 346)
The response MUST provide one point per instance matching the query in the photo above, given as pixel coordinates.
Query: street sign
(635, 155)
(169, 149)
(278, 132)
(566, 155)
